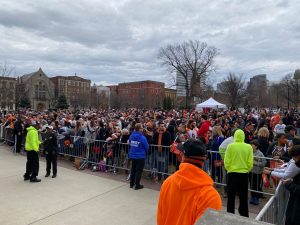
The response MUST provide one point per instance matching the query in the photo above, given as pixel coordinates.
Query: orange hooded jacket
(185, 196)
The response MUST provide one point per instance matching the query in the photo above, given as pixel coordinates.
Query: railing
(112, 156)
(274, 211)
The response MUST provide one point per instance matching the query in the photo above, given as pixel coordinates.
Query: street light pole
(288, 96)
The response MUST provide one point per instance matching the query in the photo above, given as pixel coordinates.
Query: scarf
(160, 134)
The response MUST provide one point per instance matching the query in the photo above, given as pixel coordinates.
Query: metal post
(288, 96)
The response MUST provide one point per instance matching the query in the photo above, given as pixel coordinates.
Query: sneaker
(54, 175)
(256, 201)
(35, 180)
(47, 175)
(26, 178)
(128, 177)
(131, 185)
(138, 187)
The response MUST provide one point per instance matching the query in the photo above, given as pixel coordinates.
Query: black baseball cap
(193, 148)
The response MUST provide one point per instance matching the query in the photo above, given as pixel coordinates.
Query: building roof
(25, 77)
(8, 78)
(143, 81)
(70, 77)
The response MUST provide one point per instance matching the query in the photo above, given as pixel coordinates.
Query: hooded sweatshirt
(185, 196)
(138, 146)
(32, 139)
(238, 155)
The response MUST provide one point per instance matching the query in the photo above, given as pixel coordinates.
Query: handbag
(266, 181)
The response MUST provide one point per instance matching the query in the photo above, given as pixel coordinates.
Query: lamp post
(288, 86)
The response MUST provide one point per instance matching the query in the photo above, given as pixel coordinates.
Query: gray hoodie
(259, 162)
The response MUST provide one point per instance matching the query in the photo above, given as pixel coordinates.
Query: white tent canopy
(210, 103)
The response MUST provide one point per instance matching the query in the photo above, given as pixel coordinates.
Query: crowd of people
(240, 143)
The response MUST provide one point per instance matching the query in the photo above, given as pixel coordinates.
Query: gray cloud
(118, 41)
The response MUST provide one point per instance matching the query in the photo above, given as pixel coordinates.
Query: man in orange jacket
(186, 195)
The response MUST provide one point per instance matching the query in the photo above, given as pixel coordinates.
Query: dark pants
(256, 184)
(136, 171)
(51, 158)
(238, 183)
(18, 143)
(32, 165)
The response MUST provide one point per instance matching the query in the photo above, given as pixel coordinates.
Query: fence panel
(274, 211)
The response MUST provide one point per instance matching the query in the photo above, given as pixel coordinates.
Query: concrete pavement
(71, 198)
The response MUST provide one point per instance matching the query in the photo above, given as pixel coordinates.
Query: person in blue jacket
(137, 153)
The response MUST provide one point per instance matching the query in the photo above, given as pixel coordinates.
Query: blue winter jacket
(138, 146)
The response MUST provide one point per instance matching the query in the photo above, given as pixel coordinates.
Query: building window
(69, 82)
(40, 91)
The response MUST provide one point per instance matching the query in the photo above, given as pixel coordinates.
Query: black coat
(50, 143)
(293, 209)
(166, 139)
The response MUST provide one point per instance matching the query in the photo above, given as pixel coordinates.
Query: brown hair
(138, 127)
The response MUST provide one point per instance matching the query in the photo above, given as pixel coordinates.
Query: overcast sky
(118, 40)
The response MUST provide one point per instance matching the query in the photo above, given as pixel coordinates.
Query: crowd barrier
(274, 211)
(161, 161)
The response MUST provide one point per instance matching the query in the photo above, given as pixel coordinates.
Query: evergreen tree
(24, 102)
(62, 102)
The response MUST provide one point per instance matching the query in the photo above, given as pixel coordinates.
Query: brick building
(7, 94)
(140, 94)
(77, 90)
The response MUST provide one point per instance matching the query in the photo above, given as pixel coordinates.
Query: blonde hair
(217, 130)
(263, 132)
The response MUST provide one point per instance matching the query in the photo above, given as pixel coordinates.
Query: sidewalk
(71, 198)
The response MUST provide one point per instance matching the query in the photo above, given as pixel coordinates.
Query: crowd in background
(270, 134)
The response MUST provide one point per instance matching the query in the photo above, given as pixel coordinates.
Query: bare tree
(6, 70)
(234, 87)
(291, 89)
(192, 60)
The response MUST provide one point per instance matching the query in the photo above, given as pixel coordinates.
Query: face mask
(298, 163)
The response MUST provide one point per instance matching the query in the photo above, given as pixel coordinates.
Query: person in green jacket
(238, 162)
(32, 144)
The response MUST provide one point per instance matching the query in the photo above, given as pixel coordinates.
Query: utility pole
(288, 96)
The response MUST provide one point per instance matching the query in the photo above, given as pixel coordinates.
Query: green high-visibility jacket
(238, 155)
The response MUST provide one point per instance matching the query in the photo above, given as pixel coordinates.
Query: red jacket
(204, 128)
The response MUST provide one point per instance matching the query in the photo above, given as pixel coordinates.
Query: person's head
(263, 132)
(194, 152)
(280, 122)
(138, 127)
(249, 126)
(35, 124)
(281, 139)
(289, 129)
(203, 118)
(237, 124)
(217, 131)
(49, 129)
(182, 128)
(191, 124)
(294, 152)
(254, 144)
(233, 131)
(161, 126)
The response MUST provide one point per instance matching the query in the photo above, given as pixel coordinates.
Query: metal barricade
(9, 136)
(214, 166)
(274, 211)
(1, 133)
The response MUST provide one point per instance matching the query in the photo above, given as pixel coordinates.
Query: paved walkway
(71, 198)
